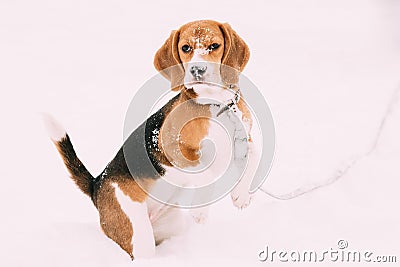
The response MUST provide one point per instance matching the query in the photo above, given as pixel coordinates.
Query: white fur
(228, 138)
(143, 239)
(244, 152)
(211, 93)
(190, 177)
(167, 221)
(53, 127)
(240, 194)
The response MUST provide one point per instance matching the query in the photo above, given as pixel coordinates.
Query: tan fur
(199, 35)
(178, 123)
(233, 52)
(166, 57)
(113, 220)
(236, 55)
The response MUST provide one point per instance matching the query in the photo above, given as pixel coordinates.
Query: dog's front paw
(241, 199)
(199, 216)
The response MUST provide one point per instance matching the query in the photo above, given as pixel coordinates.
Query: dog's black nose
(198, 71)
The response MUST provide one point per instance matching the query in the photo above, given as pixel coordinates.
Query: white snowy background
(328, 69)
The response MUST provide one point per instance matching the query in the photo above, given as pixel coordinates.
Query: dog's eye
(213, 46)
(186, 48)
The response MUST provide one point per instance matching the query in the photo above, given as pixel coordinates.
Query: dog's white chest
(227, 140)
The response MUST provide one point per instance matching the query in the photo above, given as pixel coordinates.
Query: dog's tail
(79, 174)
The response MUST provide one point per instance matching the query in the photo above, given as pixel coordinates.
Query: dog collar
(231, 102)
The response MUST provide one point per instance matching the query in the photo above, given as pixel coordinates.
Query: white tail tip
(53, 127)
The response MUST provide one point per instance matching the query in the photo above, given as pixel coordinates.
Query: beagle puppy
(202, 60)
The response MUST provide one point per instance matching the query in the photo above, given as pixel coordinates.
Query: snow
(329, 70)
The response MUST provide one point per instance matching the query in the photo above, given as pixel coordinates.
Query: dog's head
(207, 57)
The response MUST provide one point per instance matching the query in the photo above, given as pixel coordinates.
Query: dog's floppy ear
(168, 62)
(236, 54)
